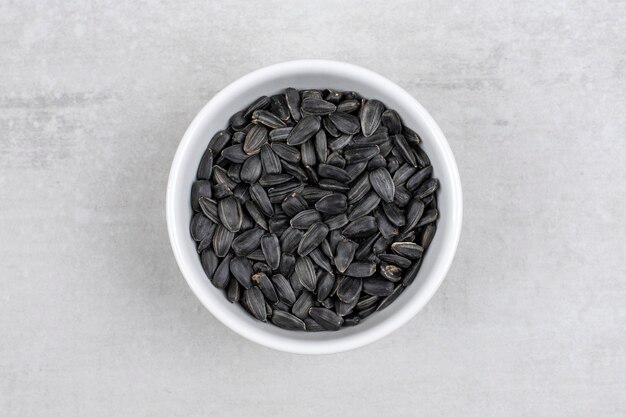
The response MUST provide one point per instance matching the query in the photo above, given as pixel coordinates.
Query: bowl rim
(393, 322)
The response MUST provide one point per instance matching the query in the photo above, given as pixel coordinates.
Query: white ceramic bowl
(314, 74)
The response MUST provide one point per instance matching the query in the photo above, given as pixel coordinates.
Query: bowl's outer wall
(314, 74)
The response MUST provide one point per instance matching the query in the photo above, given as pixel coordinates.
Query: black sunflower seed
(255, 214)
(280, 134)
(241, 269)
(361, 269)
(325, 284)
(392, 273)
(334, 203)
(349, 289)
(200, 189)
(302, 305)
(385, 227)
(326, 318)
(317, 106)
(336, 222)
(359, 189)
(412, 137)
(286, 152)
(235, 153)
(307, 153)
(427, 235)
(340, 142)
(394, 259)
(313, 194)
(266, 286)
(305, 218)
(344, 254)
(272, 180)
(292, 97)
(343, 308)
(278, 106)
(383, 184)
(219, 141)
(200, 226)
(283, 289)
(303, 130)
(345, 122)
(267, 118)
(391, 120)
(378, 161)
(394, 214)
(247, 241)
(312, 325)
(409, 250)
(361, 227)
(366, 301)
(418, 178)
(231, 216)
(428, 217)
(321, 148)
(411, 273)
(335, 159)
(205, 169)
(287, 263)
(233, 293)
(427, 188)
(269, 161)
(319, 258)
(370, 116)
(405, 150)
(414, 212)
(377, 286)
(255, 139)
(364, 251)
(295, 170)
(390, 298)
(259, 195)
(255, 303)
(361, 153)
(379, 137)
(287, 321)
(364, 206)
(270, 245)
(278, 224)
(316, 233)
(348, 106)
(305, 273)
(333, 185)
(293, 204)
(330, 128)
(222, 240)
(209, 262)
(333, 172)
(238, 120)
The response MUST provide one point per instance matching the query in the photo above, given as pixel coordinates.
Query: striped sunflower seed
(283, 289)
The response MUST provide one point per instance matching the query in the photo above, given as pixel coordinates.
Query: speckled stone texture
(95, 318)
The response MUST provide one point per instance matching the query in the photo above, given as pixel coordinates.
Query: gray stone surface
(95, 318)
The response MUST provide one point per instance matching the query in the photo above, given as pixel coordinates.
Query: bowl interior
(313, 74)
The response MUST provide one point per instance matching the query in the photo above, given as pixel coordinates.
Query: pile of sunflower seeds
(313, 209)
